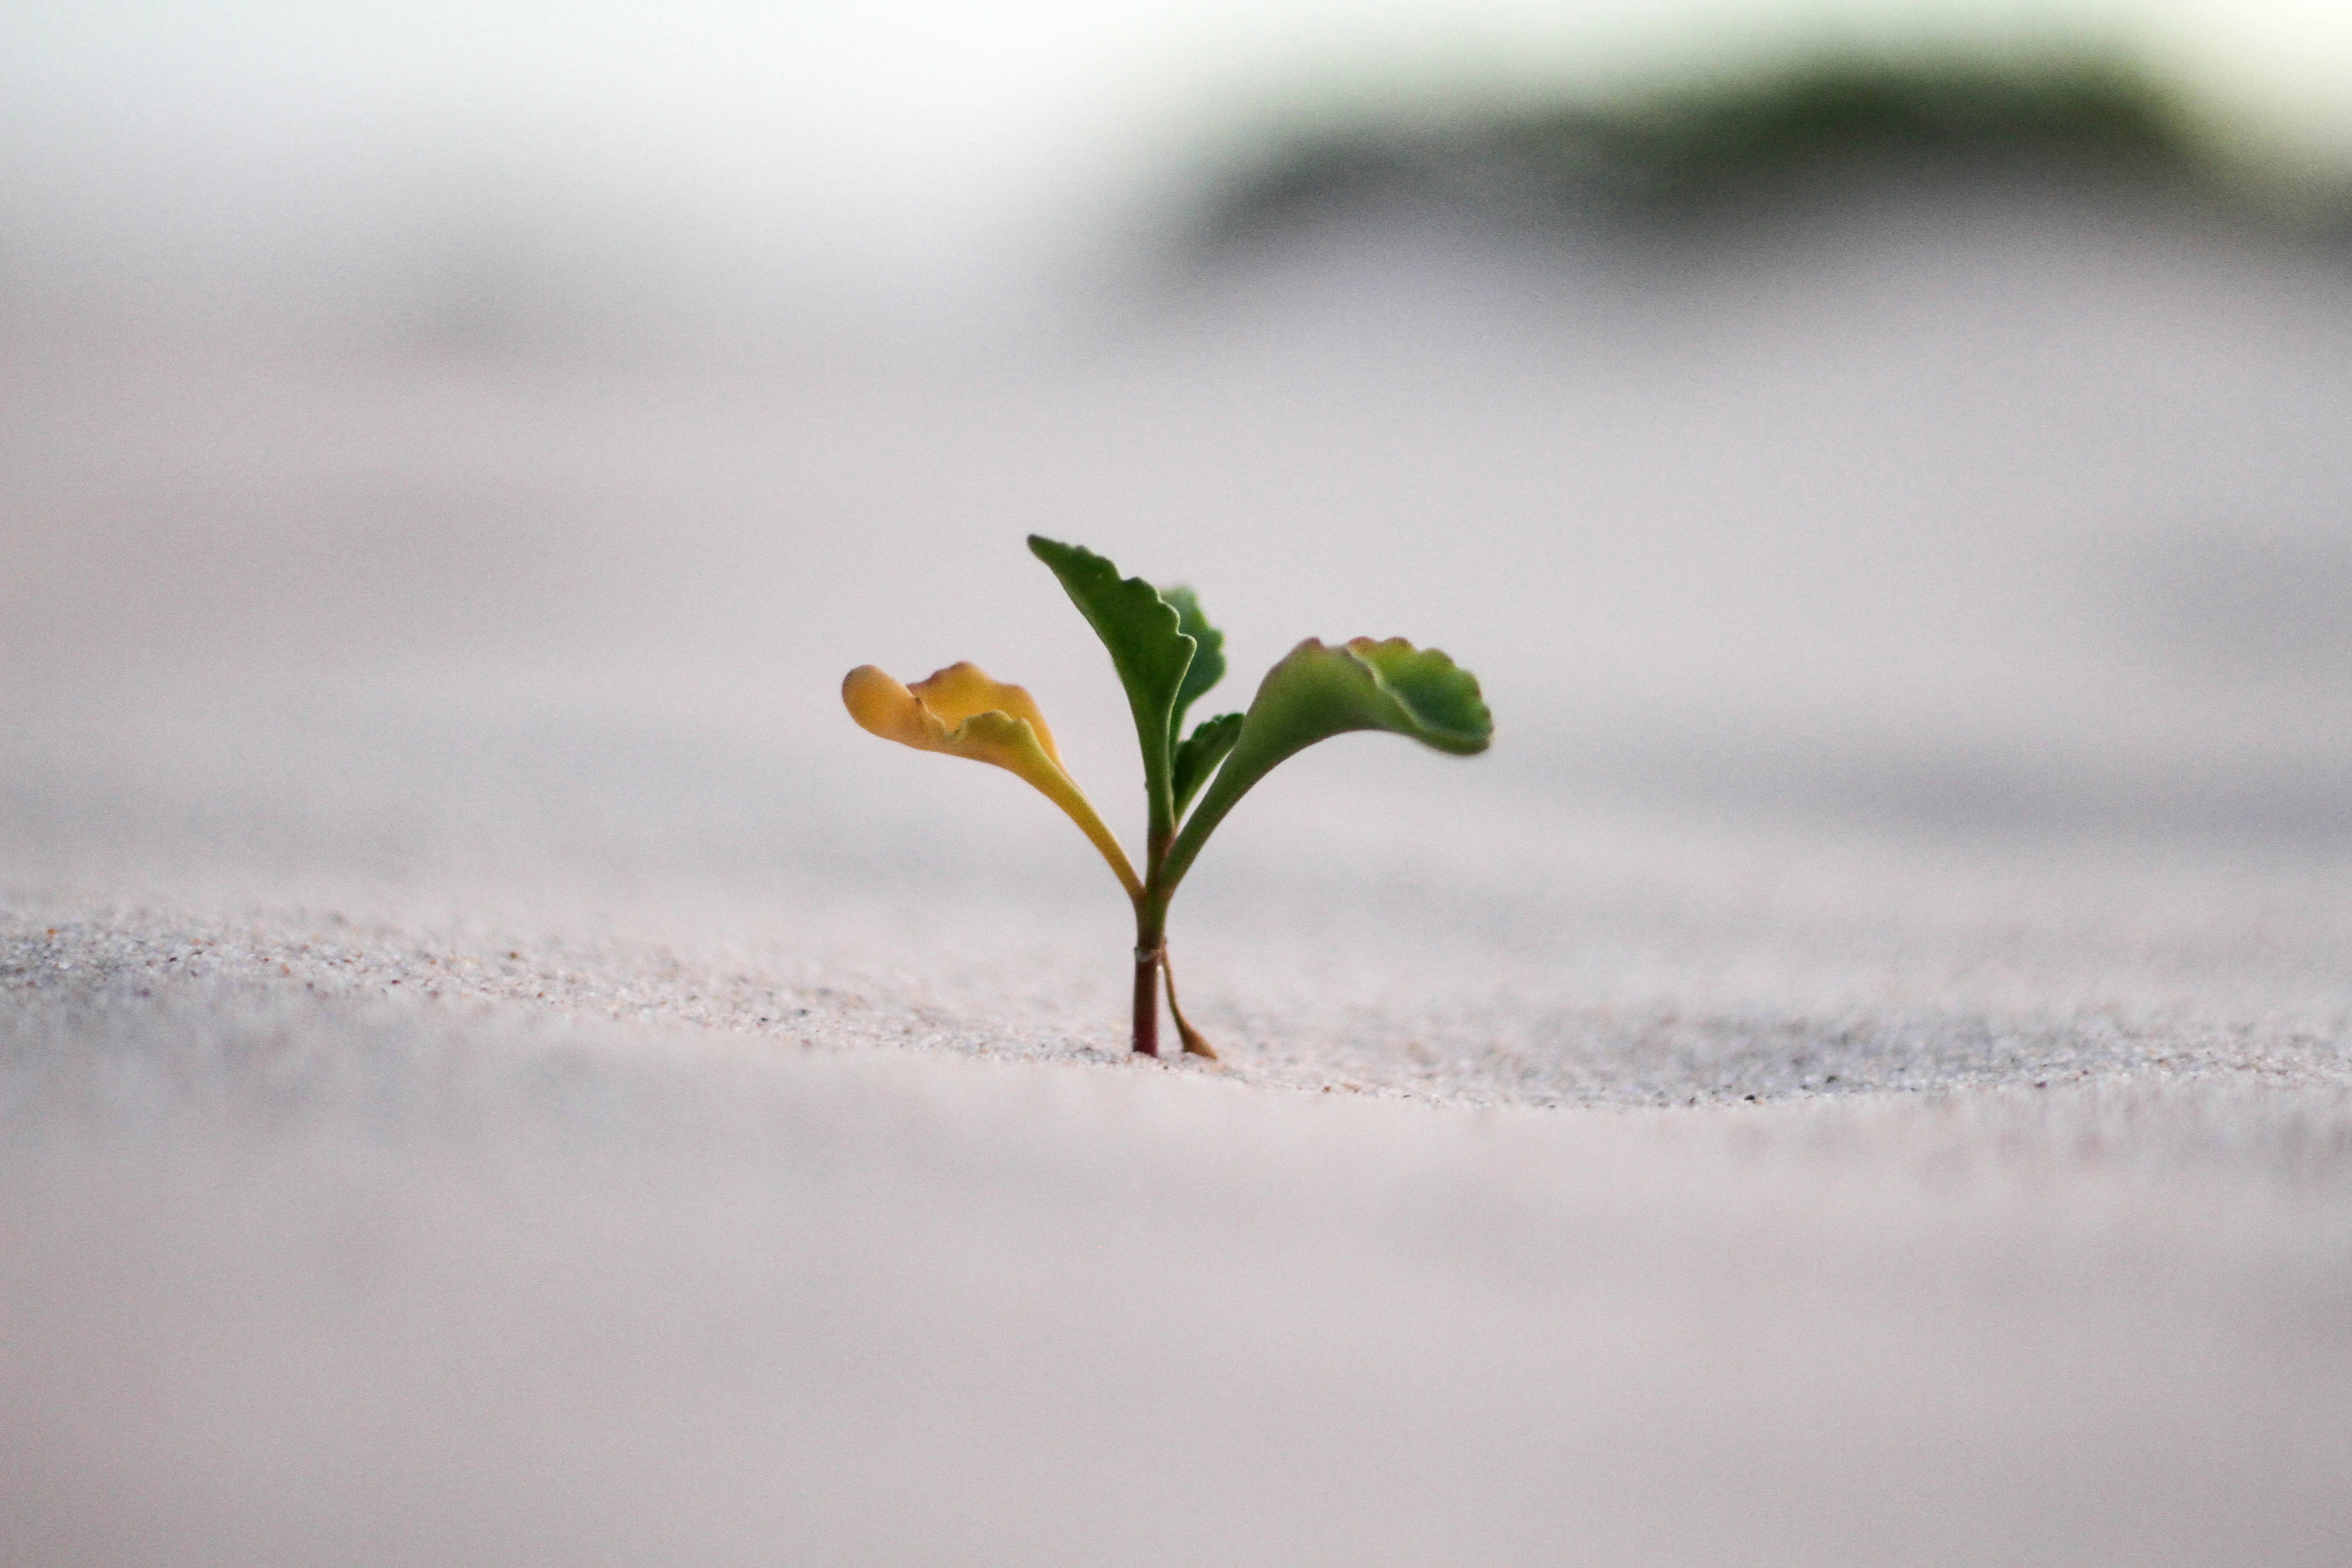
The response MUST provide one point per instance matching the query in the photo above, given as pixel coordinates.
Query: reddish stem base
(1146, 1001)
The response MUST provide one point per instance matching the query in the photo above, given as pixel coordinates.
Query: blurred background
(1927, 417)
(1888, 461)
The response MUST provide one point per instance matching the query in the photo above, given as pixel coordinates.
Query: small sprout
(1167, 656)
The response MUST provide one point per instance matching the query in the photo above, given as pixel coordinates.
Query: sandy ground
(494, 1068)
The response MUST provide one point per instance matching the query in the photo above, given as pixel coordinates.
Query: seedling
(1168, 656)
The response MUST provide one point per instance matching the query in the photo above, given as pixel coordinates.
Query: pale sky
(889, 145)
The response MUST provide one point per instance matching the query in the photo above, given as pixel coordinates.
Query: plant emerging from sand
(1167, 656)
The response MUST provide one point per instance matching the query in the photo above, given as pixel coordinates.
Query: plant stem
(1195, 1043)
(1150, 940)
(1147, 998)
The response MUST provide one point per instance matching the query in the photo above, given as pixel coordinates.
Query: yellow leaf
(961, 712)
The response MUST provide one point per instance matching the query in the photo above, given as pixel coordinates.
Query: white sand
(494, 1068)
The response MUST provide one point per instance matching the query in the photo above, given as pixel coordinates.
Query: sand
(494, 1069)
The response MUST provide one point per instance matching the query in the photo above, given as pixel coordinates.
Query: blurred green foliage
(1733, 149)
(1840, 114)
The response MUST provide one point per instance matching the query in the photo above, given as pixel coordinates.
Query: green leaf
(1208, 664)
(1436, 699)
(1198, 755)
(1148, 648)
(1317, 692)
